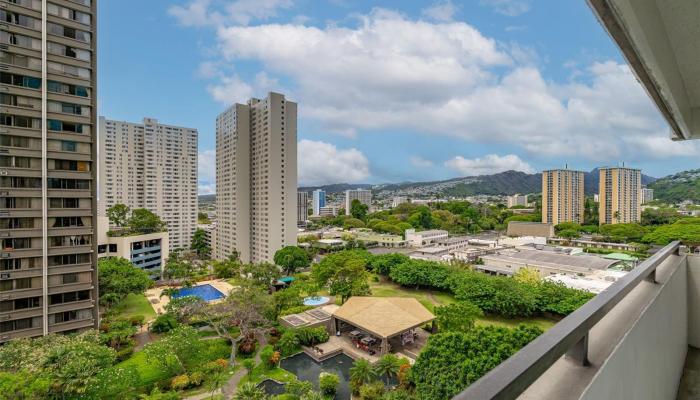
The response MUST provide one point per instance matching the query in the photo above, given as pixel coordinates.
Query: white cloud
(420, 162)
(322, 163)
(440, 11)
(442, 78)
(218, 12)
(511, 8)
(206, 167)
(489, 164)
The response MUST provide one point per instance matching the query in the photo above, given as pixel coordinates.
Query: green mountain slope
(679, 187)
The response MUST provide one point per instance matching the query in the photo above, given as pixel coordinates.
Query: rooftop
(582, 262)
(384, 316)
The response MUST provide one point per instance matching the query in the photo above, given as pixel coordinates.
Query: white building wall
(365, 197)
(153, 166)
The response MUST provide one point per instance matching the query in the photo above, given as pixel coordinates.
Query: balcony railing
(569, 337)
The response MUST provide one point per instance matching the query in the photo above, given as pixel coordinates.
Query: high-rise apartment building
(619, 192)
(302, 207)
(318, 201)
(48, 149)
(153, 166)
(256, 178)
(562, 196)
(364, 196)
(517, 200)
(647, 195)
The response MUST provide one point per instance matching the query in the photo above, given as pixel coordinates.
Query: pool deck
(342, 344)
(158, 303)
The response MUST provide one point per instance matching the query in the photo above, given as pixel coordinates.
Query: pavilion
(382, 317)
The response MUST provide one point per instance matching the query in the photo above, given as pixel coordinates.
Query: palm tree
(361, 373)
(248, 391)
(388, 365)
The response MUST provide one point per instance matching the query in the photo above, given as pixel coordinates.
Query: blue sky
(391, 91)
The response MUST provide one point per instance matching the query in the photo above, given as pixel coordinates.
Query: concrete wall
(694, 300)
(647, 364)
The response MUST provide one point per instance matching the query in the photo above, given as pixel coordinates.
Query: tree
(249, 365)
(228, 268)
(172, 351)
(388, 366)
(569, 234)
(292, 259)
(452, 361)
(328, 383)
(686, 230)
(358, 210)
(246, 308)
(118, 333)
(179, 266)
(118, 215)
(344, 273)
(459, 316)
(120, 277)
(144, 221)
(527, 275)
(203, 218)
(199, 244)
(361, 373)
(262, 274)
(248, 391)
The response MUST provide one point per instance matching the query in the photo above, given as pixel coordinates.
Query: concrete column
(385, 346)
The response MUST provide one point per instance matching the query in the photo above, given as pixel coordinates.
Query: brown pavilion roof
(384, 316)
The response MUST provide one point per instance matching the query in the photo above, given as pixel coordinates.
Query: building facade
(48, 274)
(318, 201)
(302, 207)
(153, 166)
(147, 251)
(422, 238)
(562, 196)
(364, 196)
(647, 195)
(517, 200)
(398, 200)
(619, 193)
(256, 178)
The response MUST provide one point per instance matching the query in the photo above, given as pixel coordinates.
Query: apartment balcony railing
(628, 342)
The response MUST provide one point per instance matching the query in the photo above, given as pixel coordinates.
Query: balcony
(632, 341)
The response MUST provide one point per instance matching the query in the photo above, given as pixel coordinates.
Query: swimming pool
(205, 292)
(315, 300)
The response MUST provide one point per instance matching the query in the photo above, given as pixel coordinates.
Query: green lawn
(431, 298)
(260, 373)
(132, 305)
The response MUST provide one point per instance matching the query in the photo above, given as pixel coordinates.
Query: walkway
(229, 388)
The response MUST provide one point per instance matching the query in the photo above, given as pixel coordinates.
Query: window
(16, 243)
(71, 70)
(68, 146)
(15, 162)
(15, 202)
(60, 183)
(20, 60)
(19, 324)
(20, 80)
(16, 223)
(64, 203)
(69, 297)
(69, 259)
(68, 13)
(19, 121)
(112, 248)
(67, 222)
(65, 88)
(70, 278)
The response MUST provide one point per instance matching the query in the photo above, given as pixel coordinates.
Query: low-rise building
(545, 262)
(453, 243)
(148, 251)
(422, 238)
(519, 228)
(328, 211)
(585, 243)
(398, 200)
(380, 239)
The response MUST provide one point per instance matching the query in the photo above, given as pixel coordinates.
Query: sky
(391, 91)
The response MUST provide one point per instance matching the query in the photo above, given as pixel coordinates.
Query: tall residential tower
(153, 166)
(318, 201)
(562, 196)
(619, 194)
(364, 196)
(256, 178)
(48, 276)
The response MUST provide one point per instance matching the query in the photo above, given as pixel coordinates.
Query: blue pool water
(315, 301)
(205, 292)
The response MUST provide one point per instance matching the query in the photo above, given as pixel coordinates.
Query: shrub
(266, 355)
(295, 310)
(312, 336)
(288, 343)
(328, 383)
(137, 320)
(298, 388)
(372, 391)
(180, 382)
(247, 346)
(196, 378)
(249, 365)
(217, 365)
(164, 323)
(125, 353)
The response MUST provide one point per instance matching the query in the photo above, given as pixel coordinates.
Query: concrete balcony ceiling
(661, 41)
